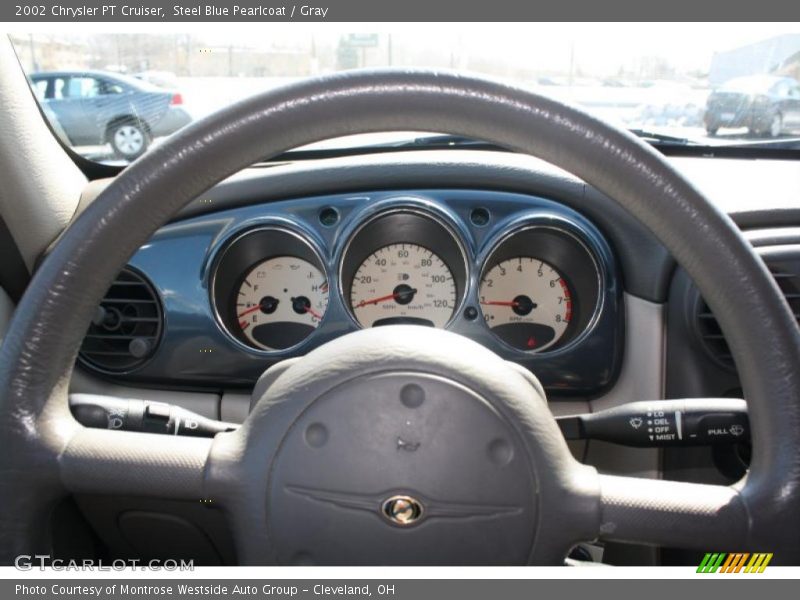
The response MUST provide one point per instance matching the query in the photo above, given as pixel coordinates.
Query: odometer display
(403, 283)
(526, 303)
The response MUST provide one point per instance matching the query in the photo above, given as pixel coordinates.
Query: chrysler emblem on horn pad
(402, 510)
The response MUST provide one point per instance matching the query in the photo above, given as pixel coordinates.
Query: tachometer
(526, 303)
(280, 302)
(403, 283)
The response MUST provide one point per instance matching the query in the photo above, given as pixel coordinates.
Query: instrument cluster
(247, 286)
(534, 286)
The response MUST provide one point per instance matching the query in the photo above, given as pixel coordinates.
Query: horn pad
(401, 468)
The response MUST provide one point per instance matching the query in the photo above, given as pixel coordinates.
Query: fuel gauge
(280, 302)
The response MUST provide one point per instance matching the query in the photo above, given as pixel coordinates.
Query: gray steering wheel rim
(44, 442)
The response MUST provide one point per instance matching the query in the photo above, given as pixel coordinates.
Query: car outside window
(110, 88)
(83, 87)
(59, 89)
(781, 89)
(127, 92)
(40, 89)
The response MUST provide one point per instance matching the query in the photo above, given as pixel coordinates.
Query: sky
(596, 47)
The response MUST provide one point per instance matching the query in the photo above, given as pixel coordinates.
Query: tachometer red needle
(386, 297)
(500, 303)
(249, 310)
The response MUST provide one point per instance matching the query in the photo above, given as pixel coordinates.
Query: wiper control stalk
(662, 423)
(102, 412)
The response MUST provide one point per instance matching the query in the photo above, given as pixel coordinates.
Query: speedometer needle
(394, 296)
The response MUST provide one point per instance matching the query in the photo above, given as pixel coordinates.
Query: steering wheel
(398, 444)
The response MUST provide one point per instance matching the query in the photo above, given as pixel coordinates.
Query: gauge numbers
(280, 302)
(526, 303)
(403, 283)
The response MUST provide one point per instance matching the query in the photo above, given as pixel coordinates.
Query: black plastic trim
(14, 275)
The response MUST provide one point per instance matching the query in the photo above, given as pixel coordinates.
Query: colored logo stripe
(734, 562)
(758, 563)
(711, 562)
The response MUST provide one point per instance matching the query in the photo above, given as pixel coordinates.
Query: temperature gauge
(280, 302)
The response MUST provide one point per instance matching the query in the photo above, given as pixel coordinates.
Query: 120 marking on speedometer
(403, 283)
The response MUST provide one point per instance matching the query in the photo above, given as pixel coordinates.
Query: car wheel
(775, 126)
(128, 140)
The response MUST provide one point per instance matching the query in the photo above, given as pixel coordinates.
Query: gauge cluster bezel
(202, 346)
(563, 243)
(238, 256)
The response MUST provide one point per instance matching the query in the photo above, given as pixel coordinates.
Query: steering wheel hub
(389, 467)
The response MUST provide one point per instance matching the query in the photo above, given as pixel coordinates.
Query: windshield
(113, 96)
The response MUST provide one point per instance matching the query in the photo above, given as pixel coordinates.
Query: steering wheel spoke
(672, 513)
(139, 464)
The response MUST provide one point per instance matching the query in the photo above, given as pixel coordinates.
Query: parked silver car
(767, 105)
(97, 108)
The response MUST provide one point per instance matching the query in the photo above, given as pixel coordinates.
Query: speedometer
(403, 283)
(526, 303)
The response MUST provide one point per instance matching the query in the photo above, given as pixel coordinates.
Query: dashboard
(633, 326)
(235, 291)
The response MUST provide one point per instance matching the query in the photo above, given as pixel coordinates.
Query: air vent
(710, 333)
(126, 328)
